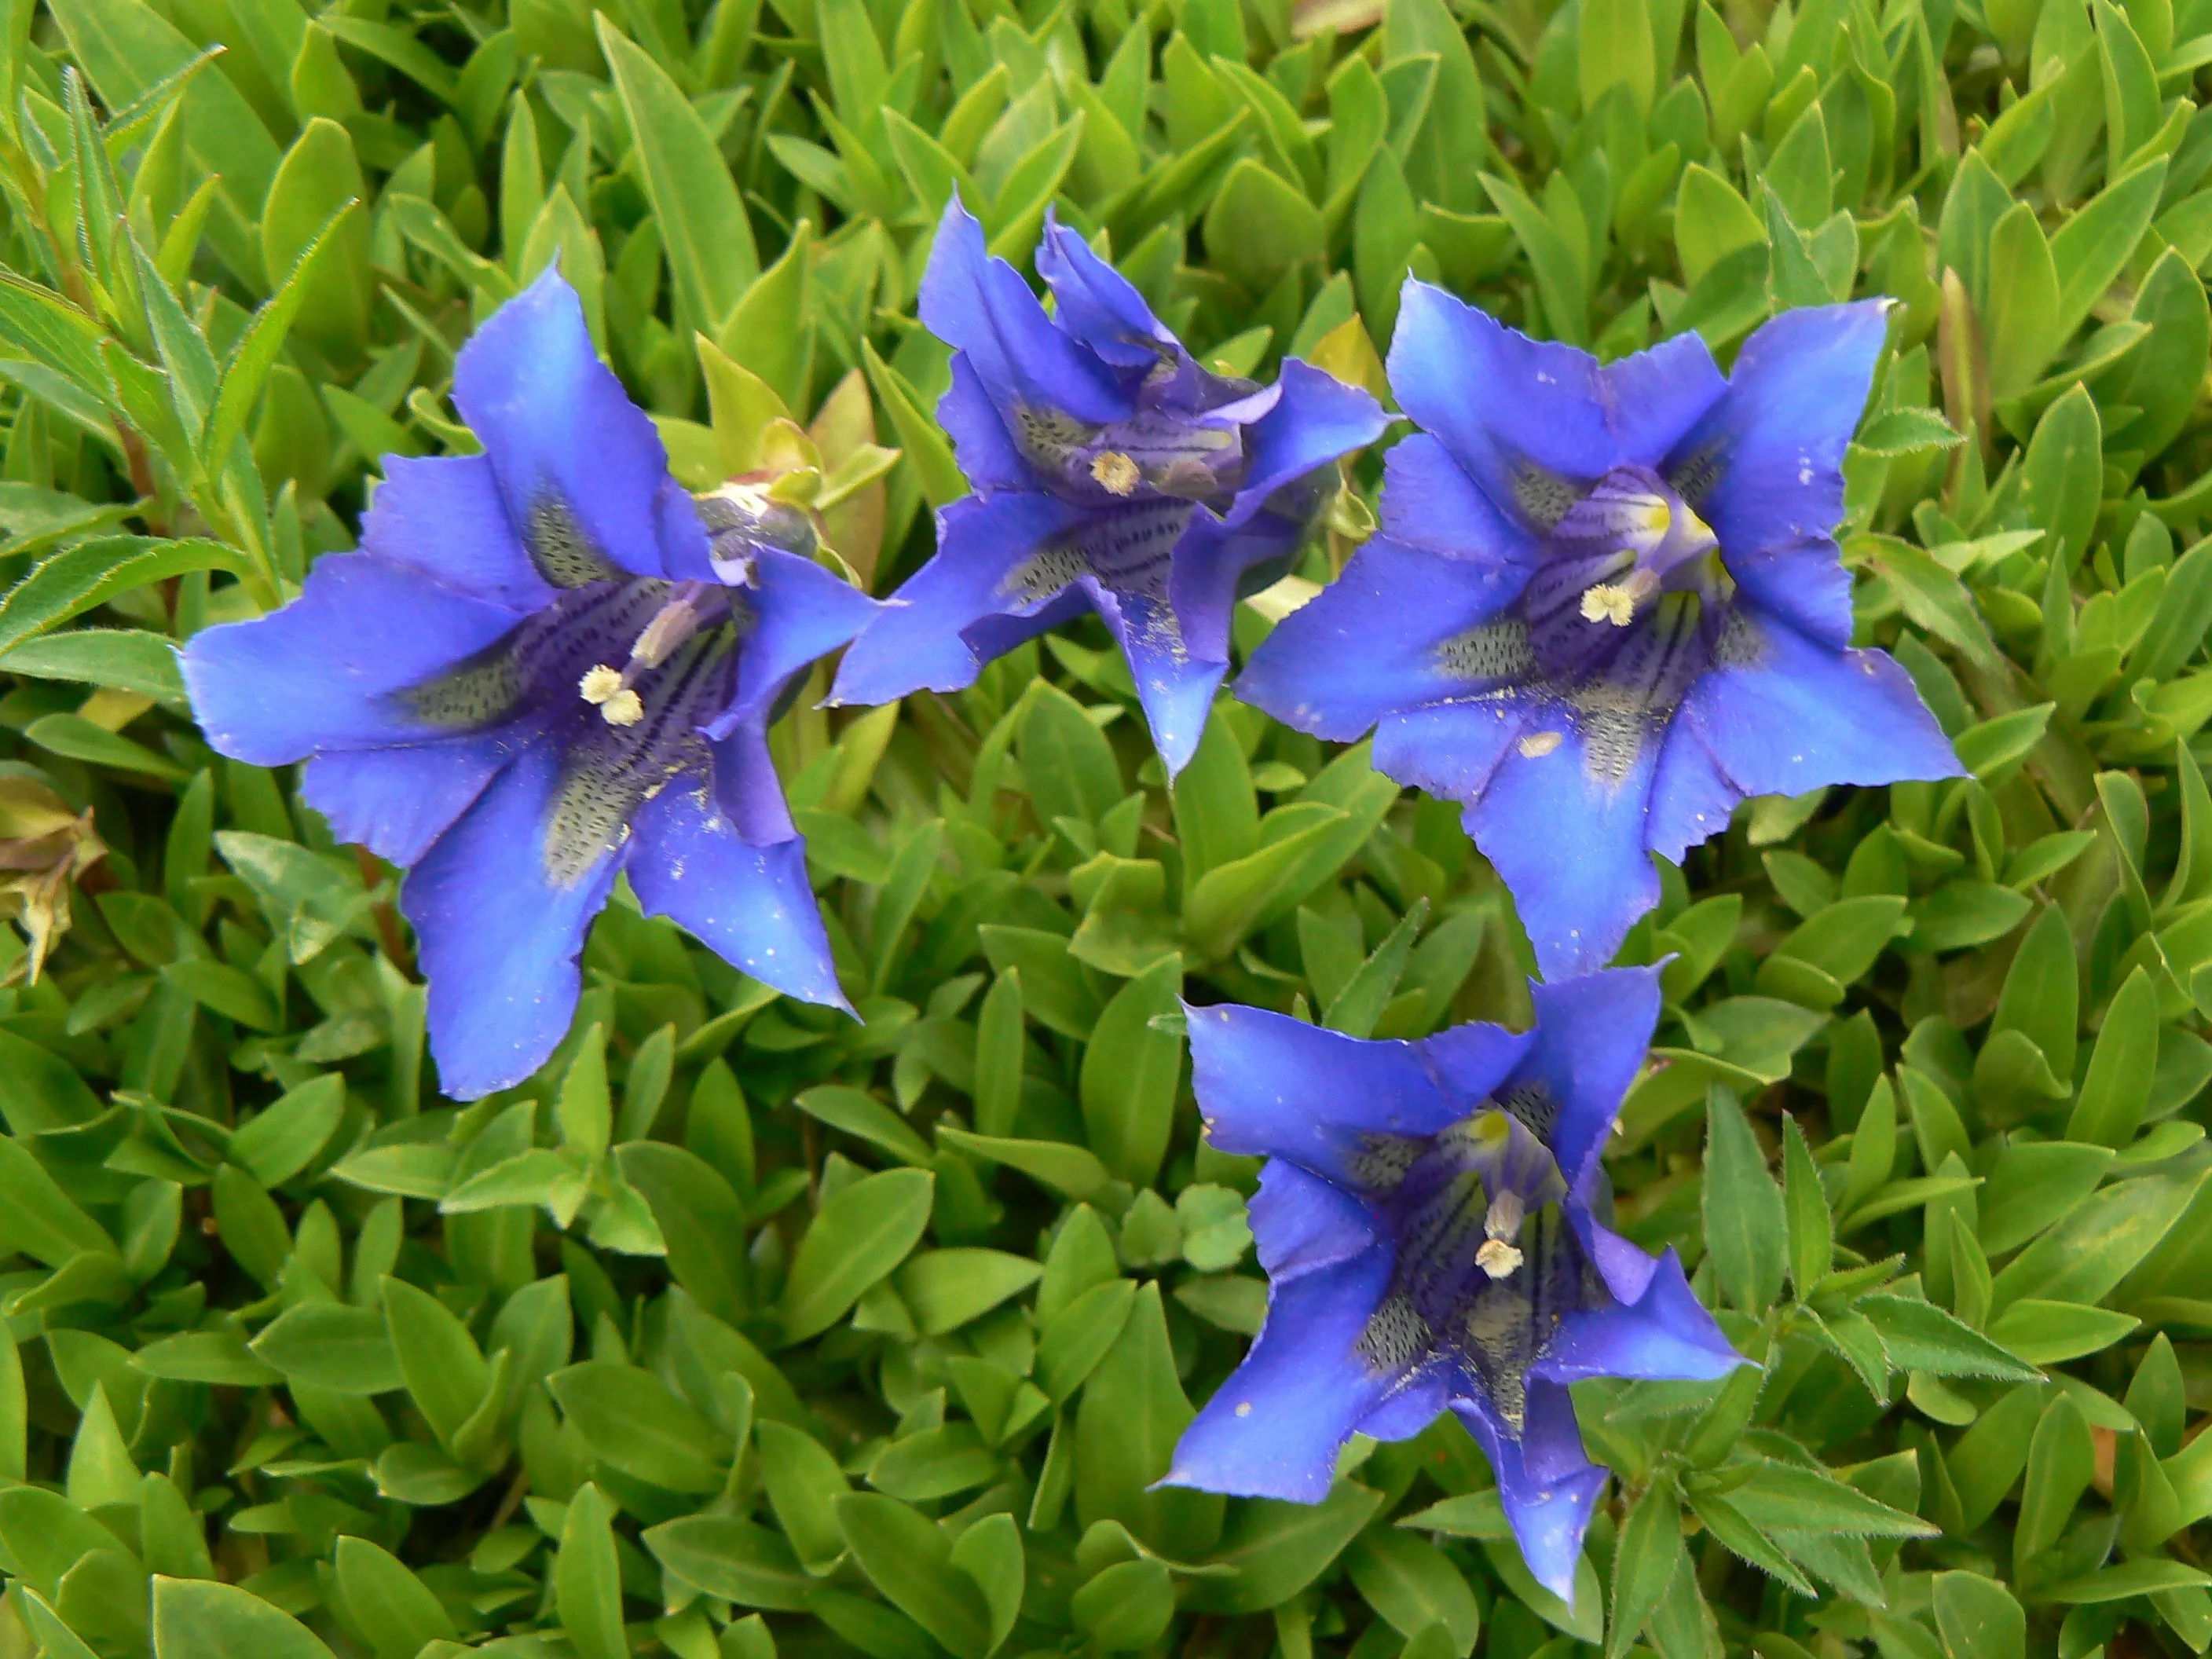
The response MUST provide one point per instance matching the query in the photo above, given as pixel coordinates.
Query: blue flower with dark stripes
(1432, 1219)
(1606, 604)
(1111, 473)
(547, 666)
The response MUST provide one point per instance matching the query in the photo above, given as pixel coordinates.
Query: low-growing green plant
(741, 1326)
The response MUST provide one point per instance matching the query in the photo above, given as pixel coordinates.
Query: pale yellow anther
(600, 683)
(1498, 1259)
(1116, 472)
(625, 707)
(1609, 602)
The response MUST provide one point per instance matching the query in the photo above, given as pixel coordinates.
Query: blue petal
(1411, 1408)
(1801, 715)
(924, 637)
(1666, 1336)
(1501, 402)
(747, 789)
(750, 905)
(1569, 845)
(1274, 1428)
(499, 937)
(1429, 502)
(1547, 1483)
(686, 554)
(981, 307)
(1212, 565)
(1302, 1223)
(1691, 801)
(1591, 1034)
(397, 801)
(987, 454)
(1175, 687)
(320, 673)
(444, 517)
(1366, 645)
(1776, 445)
(555, 423)
(1097, 303)
(1276, 1086)
(1316, 418)
(802, 611)
(1452, 750)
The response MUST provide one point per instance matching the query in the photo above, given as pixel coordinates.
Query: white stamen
(1507, 1212)
(625, 707)
(1116, 472)
(1498, 1259)
(670, 626)
(600, 683)
(1537, 744)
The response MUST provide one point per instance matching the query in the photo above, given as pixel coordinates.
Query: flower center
(689, 607)
(1486, 1265)
(1638, 538)
(1154, 452)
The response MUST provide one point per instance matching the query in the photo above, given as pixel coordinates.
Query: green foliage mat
(871, 1337)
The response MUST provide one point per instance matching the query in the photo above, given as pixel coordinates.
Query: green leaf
(636, 1425)
(1275, 1550)
(80, 577)
(1126, 1607)
(444, 1369)
(703, 225)
(246, 370)
(1413, 1585)
(1743, 1209)
(201, 1619)
(2116, 1088)
(332, 1346)
(394, 1608)
(587, 1579)
(287, 1136)
(1921, 1337)
(910, 1561)
(946, 1289)
(854, 1242)
(701, 1219)
(1131, 1072)
(1644, 1562)
(1811, 1229)
(732, 1559)
(803, 1483)
(1132, 1413)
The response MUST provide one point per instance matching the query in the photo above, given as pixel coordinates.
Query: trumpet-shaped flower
(1606, 604)
(1110, 473)
(546, 666)
(1431, 1220)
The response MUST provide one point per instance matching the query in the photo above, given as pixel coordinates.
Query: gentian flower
(1111, 473)
(1606, 604)
(1431, 1219)
(546, 666)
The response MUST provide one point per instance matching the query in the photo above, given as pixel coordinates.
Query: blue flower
(1607, 605)
(1111, 473)
(1430, 1220)
(546, 666)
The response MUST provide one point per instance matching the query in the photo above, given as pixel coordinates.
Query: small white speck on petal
(1537, 744)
